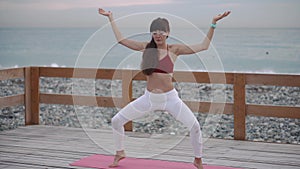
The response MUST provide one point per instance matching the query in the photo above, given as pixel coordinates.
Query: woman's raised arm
(190, 49)
(135, 45)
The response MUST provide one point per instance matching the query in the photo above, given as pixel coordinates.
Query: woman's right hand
(104, 13)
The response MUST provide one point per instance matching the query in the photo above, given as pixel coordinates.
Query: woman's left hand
(221, 16)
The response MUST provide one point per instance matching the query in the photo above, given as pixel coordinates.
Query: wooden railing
(32, 96)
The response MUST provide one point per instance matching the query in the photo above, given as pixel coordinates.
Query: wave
(17, 66)
(54, 65)
(9, 67)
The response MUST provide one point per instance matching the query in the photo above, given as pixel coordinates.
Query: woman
(157, 65)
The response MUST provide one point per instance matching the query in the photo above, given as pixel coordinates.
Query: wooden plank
(113, 74)
(14, 73)
(138, 75)
(56, 72)
(239, 107)
(12, 100)
(273, 111)
(30, 147)
(32, 107)
(127, 76)
(127, 86)
(35, 91)
(273, 79)
(81, 100)
(203, 77)
(80, 73)
(209, 107)
(97, 73)
(180, 76)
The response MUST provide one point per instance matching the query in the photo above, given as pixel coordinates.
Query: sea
(258, 50)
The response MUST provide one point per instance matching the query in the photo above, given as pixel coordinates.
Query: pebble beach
(268, 129)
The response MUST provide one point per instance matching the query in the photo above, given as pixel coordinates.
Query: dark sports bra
(165, 65)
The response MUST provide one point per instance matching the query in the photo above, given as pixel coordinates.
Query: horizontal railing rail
(13, 100)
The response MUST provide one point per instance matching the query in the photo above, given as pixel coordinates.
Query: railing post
(127, 93)
(32, 100)
(239, 108)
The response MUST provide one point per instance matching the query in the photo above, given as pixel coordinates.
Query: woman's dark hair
(150, 55)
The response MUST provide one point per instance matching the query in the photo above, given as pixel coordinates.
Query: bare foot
(120, 155)
(198, 163)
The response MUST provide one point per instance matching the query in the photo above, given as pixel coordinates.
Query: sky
(83, 13)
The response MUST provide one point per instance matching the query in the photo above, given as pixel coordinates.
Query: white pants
(148, 102)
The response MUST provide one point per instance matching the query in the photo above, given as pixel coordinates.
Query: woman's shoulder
(173, 48)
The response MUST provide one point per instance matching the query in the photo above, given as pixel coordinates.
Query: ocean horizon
(249, 50)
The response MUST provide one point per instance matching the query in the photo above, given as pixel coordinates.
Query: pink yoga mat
(103, 161)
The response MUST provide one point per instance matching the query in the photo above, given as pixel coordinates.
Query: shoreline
(279, 130)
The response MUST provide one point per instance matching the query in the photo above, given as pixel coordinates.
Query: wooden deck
(41, 146)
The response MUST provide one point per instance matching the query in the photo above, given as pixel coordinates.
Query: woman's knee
(117, 121)
(196, 127)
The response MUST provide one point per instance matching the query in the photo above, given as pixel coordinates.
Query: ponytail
(150, 58)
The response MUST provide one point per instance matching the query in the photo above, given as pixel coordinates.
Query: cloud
(74, 4)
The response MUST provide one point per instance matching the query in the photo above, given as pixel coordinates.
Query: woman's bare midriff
(159, 83)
